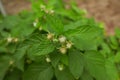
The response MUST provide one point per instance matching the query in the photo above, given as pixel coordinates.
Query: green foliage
(95, 63)
(63, 75)
(41, 71)
(14, 74)
(4, 65)
(76, 63)
(39, 45)
(85, 36)
(53, 42)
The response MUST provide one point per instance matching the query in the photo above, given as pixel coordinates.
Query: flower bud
(51, 11)
(40, 28)
(35, 24)
(50, 36)
(62, 39)
(68, 45)
(63, 50)
(11, 62)
(48, 59)
(9, 39)
(15, 39)
(61, 67)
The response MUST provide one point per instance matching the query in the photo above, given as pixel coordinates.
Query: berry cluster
(65, 44)
(44, 9)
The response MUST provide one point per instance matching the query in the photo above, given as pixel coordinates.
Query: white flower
(9, 39)
(63, 50)
(48, 59)
(61, 67)
(68, 45)
(34, 24)
(62, 39)
(50, 36)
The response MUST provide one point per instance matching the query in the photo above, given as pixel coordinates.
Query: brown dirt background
(107, 11)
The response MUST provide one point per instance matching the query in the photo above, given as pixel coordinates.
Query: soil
(106, 11)
(16, 6)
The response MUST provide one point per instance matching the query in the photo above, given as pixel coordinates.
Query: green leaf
(117, 32)
(111, 69)
(70, 14)
(86, 76)
(81, 22)
(17, 26)
(106, 51)
(106, 48)
(11, 47)
(11, 22)
(55, 58)
(39, 45)
(95, 64)
(19, 57)
(41, 71)
(57, 4)
(113, 40)
(23, 29)
(78, 11)
(76, 63)
(54, 24)
(13, 75)
(4, 65)
(73, 25)
(64, 59)
(85, 37)
(117, 57)
(63, 75)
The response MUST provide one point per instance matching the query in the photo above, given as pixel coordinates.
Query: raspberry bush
(55, 42)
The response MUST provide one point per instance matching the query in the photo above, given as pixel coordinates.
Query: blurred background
(106, 11)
